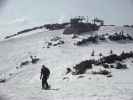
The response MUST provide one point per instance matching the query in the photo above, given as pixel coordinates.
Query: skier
(45, 72)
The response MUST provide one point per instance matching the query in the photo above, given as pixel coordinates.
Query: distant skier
(45, 72)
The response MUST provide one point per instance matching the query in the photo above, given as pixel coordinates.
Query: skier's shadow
(55, 89)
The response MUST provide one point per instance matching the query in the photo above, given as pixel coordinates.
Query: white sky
(117, 12)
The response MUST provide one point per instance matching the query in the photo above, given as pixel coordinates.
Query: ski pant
(44, 83)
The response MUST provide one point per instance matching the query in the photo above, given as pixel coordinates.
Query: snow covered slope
(24, 83)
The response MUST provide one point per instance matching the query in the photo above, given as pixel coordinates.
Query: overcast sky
(112, 11)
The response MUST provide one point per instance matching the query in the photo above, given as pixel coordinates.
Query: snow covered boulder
(111, 58)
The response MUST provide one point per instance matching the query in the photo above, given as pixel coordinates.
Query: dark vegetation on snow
(82, 67)
(55, 41)
(76, 25)
(91, 39)
(56, 26)
(24, 63)
(50, 27)
(97, 38)
(120, 36)
(80, 25)
(107, 62)
(128, 26)
(25, 31)
(33, 60)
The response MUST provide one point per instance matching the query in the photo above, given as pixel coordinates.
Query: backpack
(45, 72)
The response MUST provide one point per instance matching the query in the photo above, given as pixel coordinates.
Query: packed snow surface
(24, 83)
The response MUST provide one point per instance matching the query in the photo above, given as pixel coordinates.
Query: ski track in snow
(24, 84)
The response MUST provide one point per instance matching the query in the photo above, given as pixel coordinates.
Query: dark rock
(102, 72)
(109, 75)
(121, 66)
(106, 65)
(2, 80)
